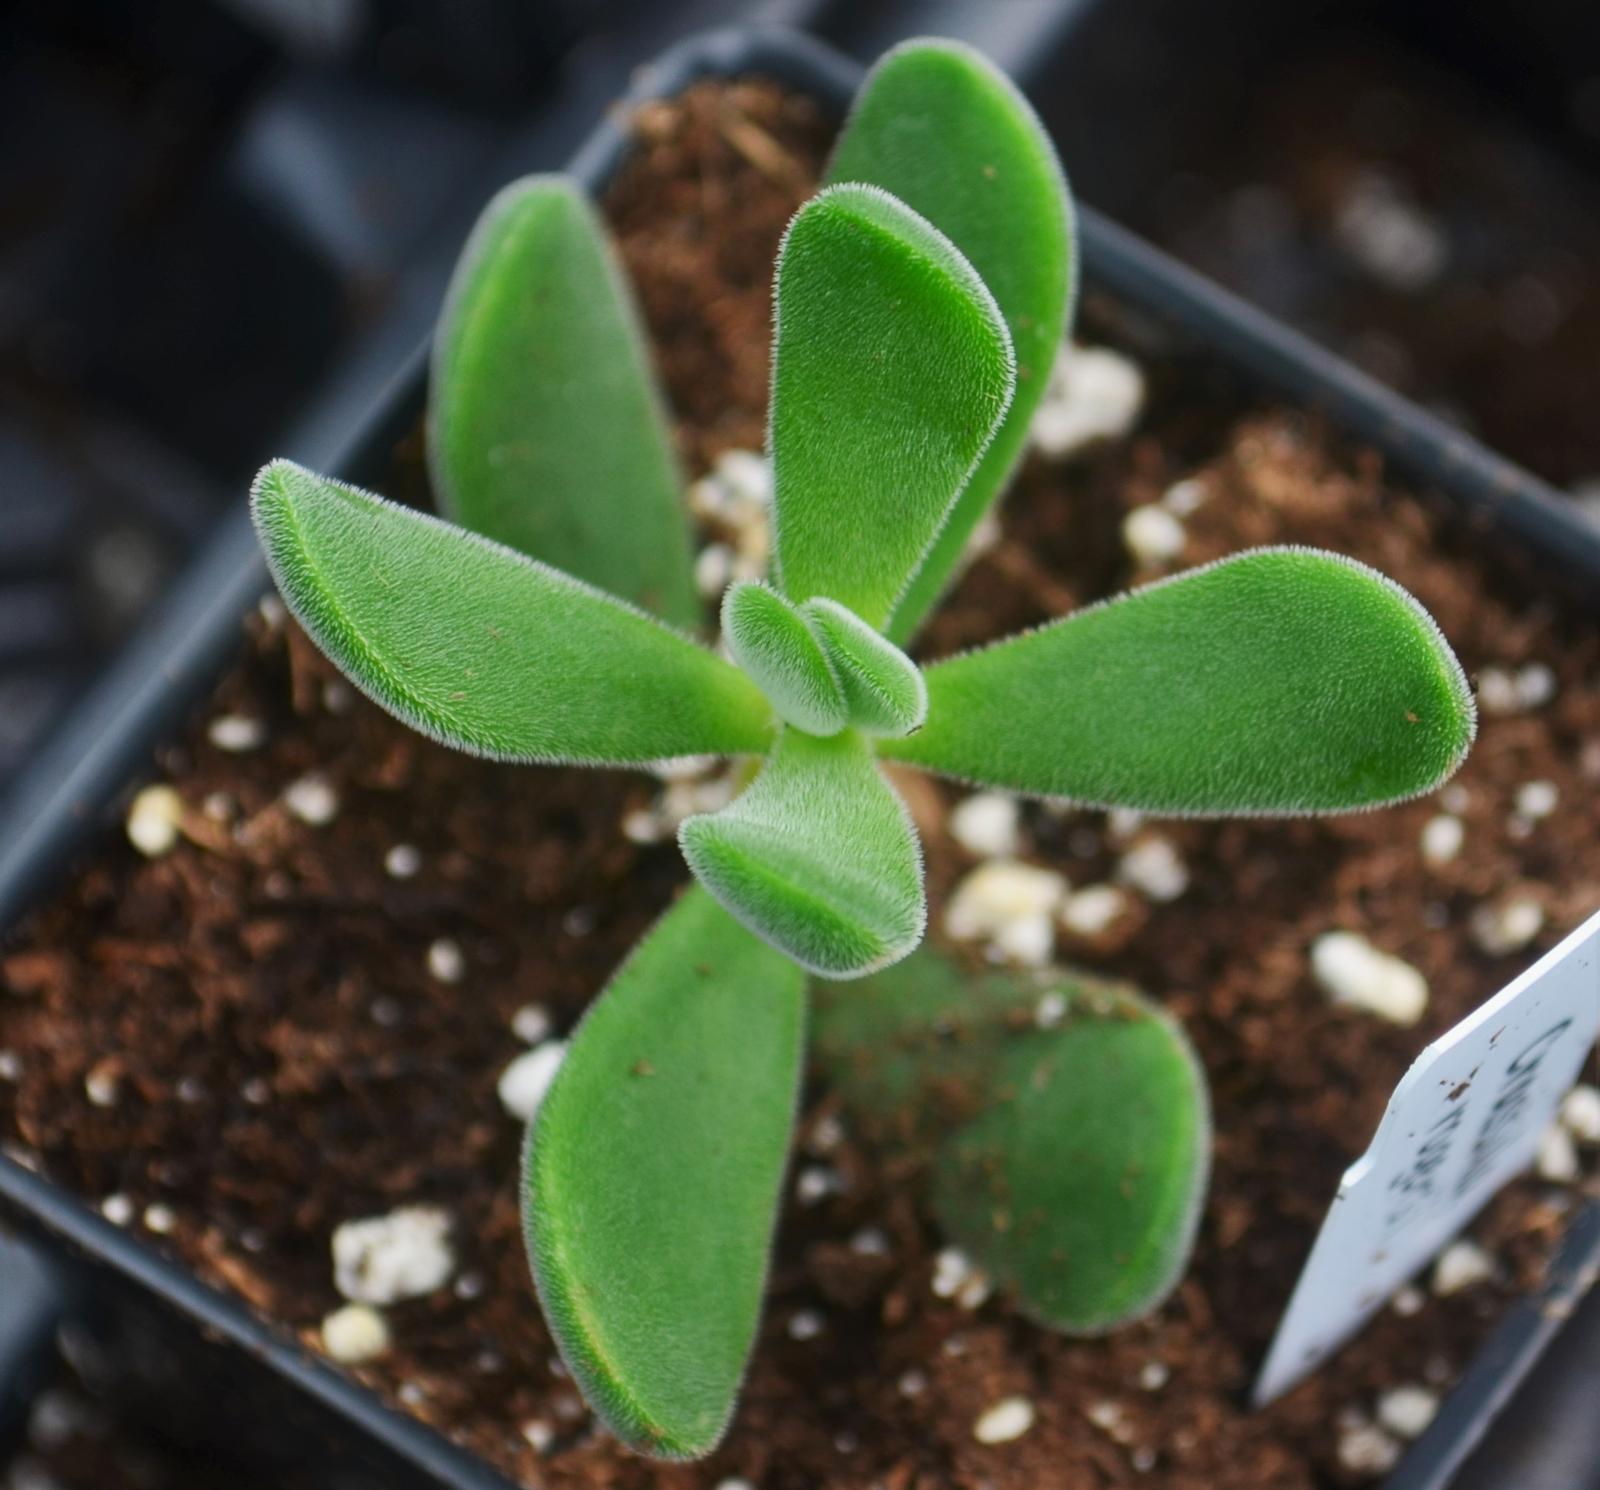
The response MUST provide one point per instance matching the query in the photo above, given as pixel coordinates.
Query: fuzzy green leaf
(949, 134)
(771, 641)
(818, 856)
(652, 1176)
(1079, 1189)
(891, 369)
(1278, 681)
(1069, 1162)
(882, 688)
(485, 649)
(545, 430)
(901, 1046)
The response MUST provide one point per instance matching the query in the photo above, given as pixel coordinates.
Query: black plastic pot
(265, 1395)
(31, 1303)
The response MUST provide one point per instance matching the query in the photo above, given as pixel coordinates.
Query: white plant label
(1465, 1119)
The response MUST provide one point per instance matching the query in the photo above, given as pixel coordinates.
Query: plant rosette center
(821, 667)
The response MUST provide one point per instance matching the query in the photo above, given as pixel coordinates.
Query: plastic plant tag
(1464, 1119)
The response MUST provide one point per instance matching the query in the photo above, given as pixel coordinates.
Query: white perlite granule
(1407, 1410)
(1007, 1420)
(1152, 536)
(735, 495)
(531, 1023)
(153, 821)
(1050, 1010)
(1109, 1417)
(354, 1334)
(1507, 926)
(1153, 868)
(540, 1435)
(1388, 234)
(524, 1083)
(827, 1133)
(955, 1276)
(236, 733)
(1365, 1448)
(102, 1086)
(1461, 1265)
(1537, 799)
(986, 825)
(739, 478)
(404, 1255)
(118, 1209)
(1408, 1300)
(1093, 910)
(402, 862)
(1580, 1113)
(1011, 906)
(1186, 496)
(713, 570)
(1093, 394)
(1028, 942)
(815, 1183)
(1441, 838)
(160, 1219)
(683, 767)
(1557, 1159)
(446, 961)
(1504, 691)
(1123, 824)
(313, 800)
(805, 1324)
(1352, 971)
(680, 799)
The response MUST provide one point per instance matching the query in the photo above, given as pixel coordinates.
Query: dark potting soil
(1414, 224)
(245, 1033)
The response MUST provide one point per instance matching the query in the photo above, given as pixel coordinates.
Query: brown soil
(282, 1061)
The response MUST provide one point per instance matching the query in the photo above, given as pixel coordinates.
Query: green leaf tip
(891, 369)
(545, 427)
(818, 856)
(652, 1175)
(882, 688)
(485, 649)
(947, 132)
(1276, 682)
(771, 641)
(1064, 1122)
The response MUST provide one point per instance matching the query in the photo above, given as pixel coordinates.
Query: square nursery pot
(204, 1360)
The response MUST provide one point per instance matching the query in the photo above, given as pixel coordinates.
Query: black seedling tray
(1305, 155)
(263, 1394)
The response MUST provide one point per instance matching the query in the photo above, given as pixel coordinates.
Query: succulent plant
(919, 300)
